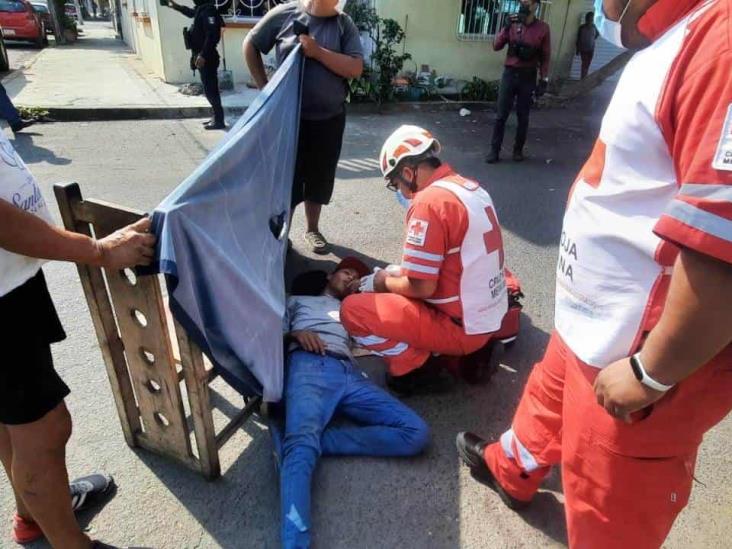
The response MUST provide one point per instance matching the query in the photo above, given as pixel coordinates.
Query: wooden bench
(149, 357)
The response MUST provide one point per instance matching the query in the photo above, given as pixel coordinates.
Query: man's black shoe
(215, 126)
(492, 157)
(23, 124)
(471, 449)
(518, 156)
(430, 378)
(207, 122)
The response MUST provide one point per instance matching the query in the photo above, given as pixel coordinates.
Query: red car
(20, 22)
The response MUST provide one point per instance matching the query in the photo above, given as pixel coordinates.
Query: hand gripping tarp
(222, 240)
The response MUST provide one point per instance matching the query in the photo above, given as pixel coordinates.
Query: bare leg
(6, 456)
(40, 477)
(312, 214)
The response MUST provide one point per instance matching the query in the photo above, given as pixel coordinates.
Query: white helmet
(405, 142)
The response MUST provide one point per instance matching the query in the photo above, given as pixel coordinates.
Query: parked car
(71, 11)
(20, 22)
(42, 10)
(4, 61)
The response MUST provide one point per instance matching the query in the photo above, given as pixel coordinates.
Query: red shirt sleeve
(546, 52)
(425, 244)
(501, 39)
(696, 118)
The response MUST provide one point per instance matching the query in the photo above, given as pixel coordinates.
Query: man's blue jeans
(317, 388)
(7, 109)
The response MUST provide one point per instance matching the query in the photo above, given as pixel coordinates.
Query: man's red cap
(355, 264)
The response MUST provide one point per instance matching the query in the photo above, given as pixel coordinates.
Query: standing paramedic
(202, 39)
(34, 421)
(334, 55)
(451, 295)
(529, 50)
(639, 366)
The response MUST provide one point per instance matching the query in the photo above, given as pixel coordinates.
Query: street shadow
(35, 154)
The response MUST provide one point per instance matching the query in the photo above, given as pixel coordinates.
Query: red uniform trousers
(405, 331)
(624, 484)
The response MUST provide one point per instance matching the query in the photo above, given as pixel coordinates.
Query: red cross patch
(417, 232)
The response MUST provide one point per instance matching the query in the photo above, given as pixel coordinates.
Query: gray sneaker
(317, 242)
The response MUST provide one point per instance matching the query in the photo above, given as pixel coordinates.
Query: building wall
(156, 35)
(432, 38)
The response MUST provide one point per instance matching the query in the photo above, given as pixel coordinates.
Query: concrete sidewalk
(99, 78)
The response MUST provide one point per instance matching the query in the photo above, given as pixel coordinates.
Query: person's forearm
(184, 10)
(25, 234)
(410, 287)
(697, 320)
(341, 64)
(255, 64)
(501, 39)
(546, 55)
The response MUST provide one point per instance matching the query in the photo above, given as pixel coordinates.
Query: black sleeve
(185, 10)
(212, 32)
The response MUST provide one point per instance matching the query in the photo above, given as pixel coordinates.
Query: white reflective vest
(483, 294)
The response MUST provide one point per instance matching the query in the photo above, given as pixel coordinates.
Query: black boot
(471, 449)
(430, 378)
(518, 155)
(492, 157)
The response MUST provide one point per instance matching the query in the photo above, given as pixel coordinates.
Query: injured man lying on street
(323, 382)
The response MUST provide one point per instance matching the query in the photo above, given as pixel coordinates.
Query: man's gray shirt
(321, 315)
(324, 92)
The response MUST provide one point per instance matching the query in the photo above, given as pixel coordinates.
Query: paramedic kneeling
(451, 294)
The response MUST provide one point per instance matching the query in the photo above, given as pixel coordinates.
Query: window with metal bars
(483, 19)
(246, 10)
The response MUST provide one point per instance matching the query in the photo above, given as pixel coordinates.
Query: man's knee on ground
(416, 434)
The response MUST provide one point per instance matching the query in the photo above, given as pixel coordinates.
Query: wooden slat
(92, 280)
(228, 431)
(145, 297)
(199, 398)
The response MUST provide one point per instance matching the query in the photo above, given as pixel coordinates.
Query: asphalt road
(428, 502)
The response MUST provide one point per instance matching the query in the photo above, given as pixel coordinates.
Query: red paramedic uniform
(466, 260)
(659, 177)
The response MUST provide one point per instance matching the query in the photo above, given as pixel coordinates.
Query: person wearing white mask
(332, 45)
(639, 366)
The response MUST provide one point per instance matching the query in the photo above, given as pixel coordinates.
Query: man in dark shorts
(334, 54)
(34, 422)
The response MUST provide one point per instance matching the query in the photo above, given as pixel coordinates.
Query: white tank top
(483, 294)
(19, 188)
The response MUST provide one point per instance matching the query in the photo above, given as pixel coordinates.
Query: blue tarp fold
(222, 240)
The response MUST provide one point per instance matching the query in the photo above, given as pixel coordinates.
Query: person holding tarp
(324, 380)
(332, 45)
(34, 421)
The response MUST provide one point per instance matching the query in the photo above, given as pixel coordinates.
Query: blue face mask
(609, 30)
(404, 202)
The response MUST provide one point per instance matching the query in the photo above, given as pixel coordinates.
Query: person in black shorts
(34, 422)
(334, 54)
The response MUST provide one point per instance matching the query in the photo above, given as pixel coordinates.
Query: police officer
(204, 35)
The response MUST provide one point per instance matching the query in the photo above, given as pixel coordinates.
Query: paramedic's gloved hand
(620, 393)
(310, 47)
(373, 282)
(309, 341)
(128, 247)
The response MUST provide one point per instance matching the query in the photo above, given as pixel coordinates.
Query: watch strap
(645, 379)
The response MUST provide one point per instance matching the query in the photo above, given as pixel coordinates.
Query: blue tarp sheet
(222, 240)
